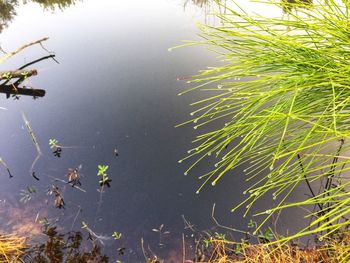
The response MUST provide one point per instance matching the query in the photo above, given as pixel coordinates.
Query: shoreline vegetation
(276, 113)
(69, 248)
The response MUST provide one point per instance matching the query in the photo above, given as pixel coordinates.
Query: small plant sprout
(252, 224)
(53, 143)
(220, 236)
(103, 175)
(104, 181)
(266, 236)
(161, 233)
(238, 249)
(56, 147)
(116, 235)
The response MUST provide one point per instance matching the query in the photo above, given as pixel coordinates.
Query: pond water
(115, 87)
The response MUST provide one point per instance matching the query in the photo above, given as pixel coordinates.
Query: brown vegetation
(336, 249)
(11, 248)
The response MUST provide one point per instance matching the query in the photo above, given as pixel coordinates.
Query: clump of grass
(280, 108)
(11, 248)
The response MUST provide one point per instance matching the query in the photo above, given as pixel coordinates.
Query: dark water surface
(116, 86)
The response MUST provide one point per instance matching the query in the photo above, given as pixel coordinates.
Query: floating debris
(65, 182)
(73, 176)
(116, 152)
(59, 201)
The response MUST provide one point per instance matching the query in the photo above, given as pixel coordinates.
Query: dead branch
(12, 74)
(10, 89)
(8, 55)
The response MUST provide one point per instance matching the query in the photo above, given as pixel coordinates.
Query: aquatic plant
(53, 143)
(27, 194)
(56, 147)
(104, 176)
(279, 106)
(161, 233)
(116, 235)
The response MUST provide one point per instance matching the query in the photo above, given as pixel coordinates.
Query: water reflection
(199, 3)
(7, 12)
(289, 5)
(286, 5)
(53, 4)
(8, 8)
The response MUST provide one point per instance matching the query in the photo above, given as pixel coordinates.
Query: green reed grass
(281, 101)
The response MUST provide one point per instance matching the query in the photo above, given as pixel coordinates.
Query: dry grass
(11, 248)
(331, 250)
(260, 253)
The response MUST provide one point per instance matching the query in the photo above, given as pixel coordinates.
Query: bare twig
(2, 50)
(307, 180)
(63, 181)
(188, 224)
(8, 55)
(76, 216)
(332, 170)
(35, 142)
(6, 167)
(226, 227)
(183, 249)
(38, 60)
(143, 250)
